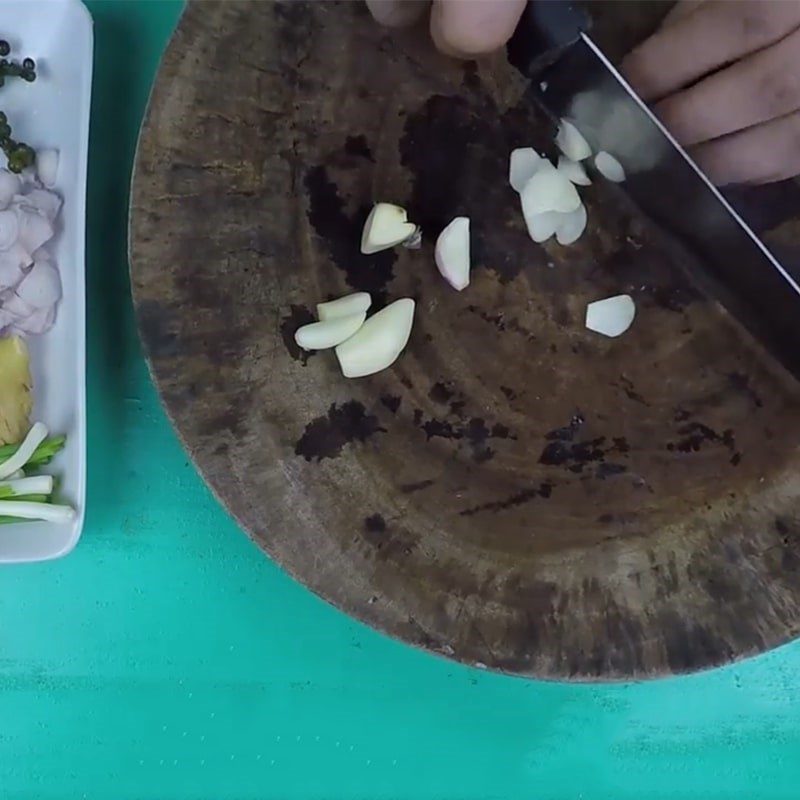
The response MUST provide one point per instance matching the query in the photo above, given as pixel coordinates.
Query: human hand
(725, 79)
(462, 28)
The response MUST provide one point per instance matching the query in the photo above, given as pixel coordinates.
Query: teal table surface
(168, 658)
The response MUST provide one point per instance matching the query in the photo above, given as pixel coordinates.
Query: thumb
(469, 28)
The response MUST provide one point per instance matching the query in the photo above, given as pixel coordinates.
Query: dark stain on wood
(325, 437)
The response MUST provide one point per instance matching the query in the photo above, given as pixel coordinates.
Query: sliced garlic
(329, 333)
(542, 226)
(571, 143)
(522, 165)
(355, 303)
(386, 226)
(548, 190)
(571, 226)
(609, 167)
(574, 171)
(452, 253)
(379, 341)
(612, 316)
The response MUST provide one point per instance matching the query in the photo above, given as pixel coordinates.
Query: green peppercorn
(28, 64)
(5, 48)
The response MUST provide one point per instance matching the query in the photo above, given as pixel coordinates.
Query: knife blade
(572, 78)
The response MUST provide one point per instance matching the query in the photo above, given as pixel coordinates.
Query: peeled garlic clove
(379, 341)
(355, 303)
(41, 286)
(47, 166)
(452, 253)
(329, 333)
(549, 190)
(386, 226)
(571, 143)
(571, 226)
(9, 229)
(612, 316)
(9, 186)
(522, 165)
(609, 167)
(542, 226)
(574, 171)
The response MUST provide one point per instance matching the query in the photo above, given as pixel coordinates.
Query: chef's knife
(573, 79)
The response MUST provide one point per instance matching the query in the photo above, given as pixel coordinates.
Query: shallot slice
(574, 171)
(38, 322)
(42, 200)
(41, 287)
(571, 226)
(12, 263)
(522, 165)
(344, 306)
(571, 143)
(379, 341)
(549, 190)
(9, 186)
(452, 253)
(612, 316)
(47, 167)
(330, 332)
(609, 167)
(387, 225)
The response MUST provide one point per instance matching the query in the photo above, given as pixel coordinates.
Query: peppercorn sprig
(19, 154)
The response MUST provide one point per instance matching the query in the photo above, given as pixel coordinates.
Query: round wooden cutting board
(515, 492)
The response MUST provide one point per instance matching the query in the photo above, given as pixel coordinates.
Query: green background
(167, 658)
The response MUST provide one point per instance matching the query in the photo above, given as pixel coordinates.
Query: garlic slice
(452, 253)
(522, 165)
(548, 190)
(574, 171)
(387, 225)
(344, 306)
(542, 226)
(328, 333)
(612, 316)
(379, 341)
(609, 167)
(571, 143)
(571, 226)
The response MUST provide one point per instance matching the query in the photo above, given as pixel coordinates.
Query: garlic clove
(47, 166)
(574, 171)
(344, 306)
(542, 226)
(379, 341)
(549, 190)
(330, 332)
(387, 225)
(452, 253)
(571, 226)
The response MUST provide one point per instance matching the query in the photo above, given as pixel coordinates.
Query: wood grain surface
(515, 492)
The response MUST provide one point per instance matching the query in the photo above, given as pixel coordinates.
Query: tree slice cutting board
(516, 492)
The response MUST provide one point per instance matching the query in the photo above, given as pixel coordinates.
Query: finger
(470, 28)
(681, 10)
(761, 154)
(714, 34)
(761, 87)
(397, 13)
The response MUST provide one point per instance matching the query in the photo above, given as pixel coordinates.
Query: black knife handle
(544, 30)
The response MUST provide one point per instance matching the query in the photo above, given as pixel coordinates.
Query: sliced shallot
(612, 316)
(609, 167)
(571, 226)
(379, 341)
(387, 225)
(574, 171)
(9, 229)
(452, 253)
(330, 332)
(571, 143)
(549, 190)
(9, 186)
(34, 228)
(522, 165)
(47, 167)
(344, 306)
(42, 200)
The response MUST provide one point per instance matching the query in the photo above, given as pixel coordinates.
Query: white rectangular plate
(54, 112)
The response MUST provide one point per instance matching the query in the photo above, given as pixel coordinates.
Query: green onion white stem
(39, 484)
(42, 511)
